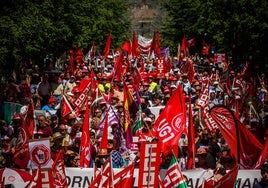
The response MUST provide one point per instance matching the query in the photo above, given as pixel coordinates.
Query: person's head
(54, 119)
(264, 170)
(42, 121)
(63, 129)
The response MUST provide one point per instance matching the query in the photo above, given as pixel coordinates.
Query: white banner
(40, 153)
(81, 178)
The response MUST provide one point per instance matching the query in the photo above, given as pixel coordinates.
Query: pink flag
(172, 121)
(85, 153)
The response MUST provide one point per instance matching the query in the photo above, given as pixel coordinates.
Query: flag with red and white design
(66, 107)
(124, 178)
(21, 155)
(85, 154)
(172, 121)
(174, 176)
(58, 170)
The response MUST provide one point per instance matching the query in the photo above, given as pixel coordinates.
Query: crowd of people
(38, 83)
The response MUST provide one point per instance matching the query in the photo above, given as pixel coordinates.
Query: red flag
(250, 148)
(263, 155)
(135, 46)
(228, 180)
(37, 179)
(172, 121)
(124, 178)
(191, 141)
(84, 89)
(85, 153)
(118, 67)
(184, 46)
(58, 170)
(66, 107)
(30, 119)
(191, 42)
(225, 121)
(205, 48)
(96, 179)
(137, 77)
(107, 174)
(126, 47)
(107, 45)
(21, 155)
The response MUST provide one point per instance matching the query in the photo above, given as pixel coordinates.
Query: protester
(263, 183)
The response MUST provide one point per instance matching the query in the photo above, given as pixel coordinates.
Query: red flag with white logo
(85, 153)
(58, 170)
(226, 123)
(172, 121)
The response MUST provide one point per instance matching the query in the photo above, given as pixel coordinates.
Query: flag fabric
(66, 107)
(37, 179)
(58, 170)
(21, 155)
(149, 164)
(191, 42)
(85, 154)
(225, 121)
(30, 119)
(104, 138)
(191, 141)
(135, 46)
(244, 146)
(137, 125)
(202, 102)
(250, 148)
(107, 45)
(11, 175)
(130, 110)
(227, 180)
(205, 48)
(84, 89)
(107, 174)
(9, 109)
(263, 155)
(183, 47)
(126, 48)
(172, 121)
(124, 178)
(96, 180)
(174, 177)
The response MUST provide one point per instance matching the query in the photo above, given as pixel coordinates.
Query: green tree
(236, 27)
(33, 29)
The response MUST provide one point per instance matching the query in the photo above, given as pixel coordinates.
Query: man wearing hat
(51, 104)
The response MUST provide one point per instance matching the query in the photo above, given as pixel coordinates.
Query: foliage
(33, 29)
(235, 27)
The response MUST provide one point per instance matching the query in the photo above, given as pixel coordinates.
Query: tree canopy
(238, 28)
(33, 29)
